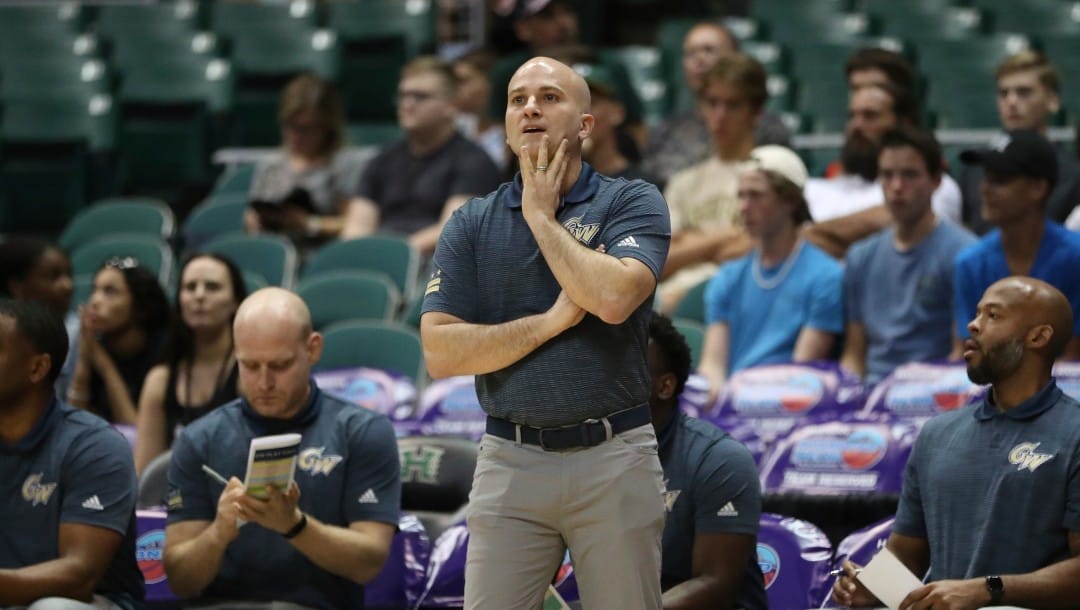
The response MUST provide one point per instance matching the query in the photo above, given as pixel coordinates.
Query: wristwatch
(996, 589)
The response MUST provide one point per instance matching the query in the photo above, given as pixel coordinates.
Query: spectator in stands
(414, 185)
(304, 190)
(121, 331)
(702, 198)
(683, 139)
(473, 74)
(876, 66)
(314, 550)
(197, 371)
(601, 149)
(34, 269)
(1028, 96)
(68, 538)
(898, 283)
(1019, 172)
(873, 110)
(713, 496)
(781, 302)
(1015, 451)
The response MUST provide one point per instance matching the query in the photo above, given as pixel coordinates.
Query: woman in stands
(198, 369)
(122, 329)
(303, 191)
(36, 270)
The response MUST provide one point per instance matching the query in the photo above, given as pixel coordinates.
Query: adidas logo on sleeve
(728, 510)
(369, 497)
(93, 503)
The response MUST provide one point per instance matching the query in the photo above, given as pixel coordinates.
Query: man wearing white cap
(781, 302)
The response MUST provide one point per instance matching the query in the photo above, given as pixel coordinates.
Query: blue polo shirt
(995, 493)
(73, 467)
(983, 263)
(712, 488)
(489, 270)
(347, 471)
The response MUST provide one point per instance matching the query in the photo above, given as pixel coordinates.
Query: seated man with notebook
(317, 543)
(991, 497)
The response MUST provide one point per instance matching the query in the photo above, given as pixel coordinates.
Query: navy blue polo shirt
(347, 471)
(712, 488)
(73, 467)
(489, 270)
(995, 493)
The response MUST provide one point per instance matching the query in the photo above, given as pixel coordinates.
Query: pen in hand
(841, 572)
(214, 475)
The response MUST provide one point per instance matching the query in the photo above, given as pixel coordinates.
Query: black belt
(588, 433)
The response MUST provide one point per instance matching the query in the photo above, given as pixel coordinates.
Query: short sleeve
(727, 493)
(947, 201)
(826, 302)
(964, 298)
(718, 296)
(639, 226)
(910, 518)
(855, 283)
(453, 285)
(474, 172)
(373, 474)
(188, 498)
(99, 481)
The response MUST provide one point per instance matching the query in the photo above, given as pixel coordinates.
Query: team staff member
(713, 496)
(542, 289)
(1017, 452)
(315, 550)
(67, 539)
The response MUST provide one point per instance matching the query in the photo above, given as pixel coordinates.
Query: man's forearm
(425, 239)
(56, 578)
(341, 551)
(462, 348)
(600, 284)
(1055, 586)
(193, 564)
(702, 593)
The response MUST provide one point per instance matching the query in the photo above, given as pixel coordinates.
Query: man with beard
(1019, 173)
(872, 110)
(991, 492)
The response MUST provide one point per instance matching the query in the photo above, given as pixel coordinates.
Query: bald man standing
(542, 290)
(991, 498)
(314, 546)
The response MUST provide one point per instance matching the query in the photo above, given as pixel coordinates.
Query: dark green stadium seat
(692, 304)
(922, 21)
(694, 333)
(57, 17)
(380, 19)
(151, 253)
(823, 96)
(964, 102)
(73, 77)
(383, 345)
(943, 59)
(781, 93)
(271, 256)
(387, 254)
(134, 48)
(130, 215)
(214, 218)
(19, 45)
(230, 19)
(1034, 17)
(411, 315)
(337, 296)
(820, 19)
(235, 180)
(645, 68)
(117, 21)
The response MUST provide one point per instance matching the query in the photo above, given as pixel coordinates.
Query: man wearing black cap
(1019, 173)
(601, 150)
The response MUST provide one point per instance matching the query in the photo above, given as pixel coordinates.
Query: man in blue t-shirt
(315, 549)
(781, 302)
(542, 289)
(713, 495)
(898, 283)
(991, 497)
(1019, 173)
(67, 518)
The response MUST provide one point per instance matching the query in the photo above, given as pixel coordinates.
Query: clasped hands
(277, 513)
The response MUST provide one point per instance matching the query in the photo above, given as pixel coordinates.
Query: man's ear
(587, 123)
(40, 365)
(314, 348)
(1039, 336)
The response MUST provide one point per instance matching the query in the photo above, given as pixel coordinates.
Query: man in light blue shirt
(898, 283)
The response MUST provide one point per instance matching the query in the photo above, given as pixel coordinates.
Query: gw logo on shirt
(35, 492)
(582, 233)
(1024, 456)
(312, 461)
(421, 465)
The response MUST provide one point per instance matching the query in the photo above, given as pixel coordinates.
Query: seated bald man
(991, 498)
(314, 546)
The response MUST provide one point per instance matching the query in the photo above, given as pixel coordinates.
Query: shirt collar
(38, 432)
(271, 425)
(664, 437)
(1029, 409)
(586, 186)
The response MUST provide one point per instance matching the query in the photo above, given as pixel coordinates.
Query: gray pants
(528, 505)
(66, 603)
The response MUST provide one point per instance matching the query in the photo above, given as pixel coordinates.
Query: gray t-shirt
(995, 493)
(328, 184)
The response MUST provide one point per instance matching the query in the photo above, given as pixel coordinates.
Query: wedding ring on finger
(541, 168)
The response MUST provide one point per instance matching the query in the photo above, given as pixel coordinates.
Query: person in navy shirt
(991, 497)
(713, 496)
(315, 549)
(67, 539)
